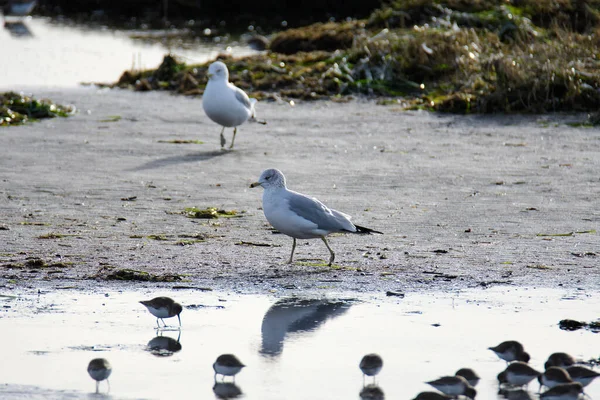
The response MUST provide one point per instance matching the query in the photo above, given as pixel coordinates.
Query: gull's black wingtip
(362, 229)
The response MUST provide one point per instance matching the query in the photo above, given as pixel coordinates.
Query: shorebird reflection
(164, 346)
(371, 392)
(226, 390)
(297, 315)
(17, 29)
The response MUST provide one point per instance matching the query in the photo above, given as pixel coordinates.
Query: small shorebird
(511, 350)
(226, 104)
(567, 391)
(583, 375)
(454, 386)
(299, 216)
(99, 369)
(554, 376)
(518, 373)
(163, 307)
(469, 375)
(559, 360)
(227, 365)
(370, 365)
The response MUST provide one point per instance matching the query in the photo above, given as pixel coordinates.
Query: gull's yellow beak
(255, 184)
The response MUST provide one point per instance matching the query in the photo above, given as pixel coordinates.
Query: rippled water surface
(295, 347)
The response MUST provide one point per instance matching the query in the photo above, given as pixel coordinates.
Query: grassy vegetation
(17, 109)
(463, 56)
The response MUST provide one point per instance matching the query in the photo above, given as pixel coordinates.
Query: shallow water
(36, 52)
(293, 348)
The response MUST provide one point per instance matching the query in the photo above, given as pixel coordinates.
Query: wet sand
(464, 201)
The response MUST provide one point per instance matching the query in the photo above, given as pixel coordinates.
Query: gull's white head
(270, 178)
(218, 71)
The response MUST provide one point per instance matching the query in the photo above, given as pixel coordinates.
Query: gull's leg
(233, 138)
(223, 141)
(330, 251)
(97, 386)
(292, 255)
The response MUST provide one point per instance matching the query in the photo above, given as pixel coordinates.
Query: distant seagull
(99, 369)
(511, 350)
(518, 373)
(469, 375)
(163, 307)
(226, 104)
(454, 386)
(559, 360)
(300, 216)
(227, 365)
(371, 365)
(583, 375)
(554, 376)
(567, 391)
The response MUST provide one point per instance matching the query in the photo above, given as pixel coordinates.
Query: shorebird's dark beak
(255, 184)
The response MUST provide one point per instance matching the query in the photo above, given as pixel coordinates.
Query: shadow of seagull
(181, 159)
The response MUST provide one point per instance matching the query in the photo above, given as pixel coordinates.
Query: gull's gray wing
(242, 97)
(318, 213)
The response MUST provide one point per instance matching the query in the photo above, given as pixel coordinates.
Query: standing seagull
(299, 216)
(224, 103)
(163, 307)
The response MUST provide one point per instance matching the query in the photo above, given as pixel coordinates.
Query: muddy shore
(464, 201)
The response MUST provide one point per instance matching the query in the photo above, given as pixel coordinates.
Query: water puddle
(294, 347)
(36, 52)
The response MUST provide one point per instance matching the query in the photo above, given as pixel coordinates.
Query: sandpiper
(227, 365)
(99, 369)
(567, 391)
(163, 307)
(371, 365)
(583, 375)
(559, 360)
(432, 396)
(554, 376)
(470, 375)
(518, 373)
(454, 386)
(511, 350)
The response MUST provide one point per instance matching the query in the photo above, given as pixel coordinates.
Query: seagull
(226, 104)
(300, 216)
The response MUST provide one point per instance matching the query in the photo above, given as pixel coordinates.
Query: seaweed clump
(460, 56)
(17, 109)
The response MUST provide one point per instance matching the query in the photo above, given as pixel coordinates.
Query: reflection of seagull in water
(226, 390)
(18, 8)
(226, 104)
(296, 315)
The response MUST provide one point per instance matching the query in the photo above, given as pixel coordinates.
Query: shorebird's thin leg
(233, 138)
(157, 324)
(108, 383)
(97, 386)
(330, 251)
(223, 141)
(292, 255)
(179, 318)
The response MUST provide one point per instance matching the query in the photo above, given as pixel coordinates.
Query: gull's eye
(268, 177)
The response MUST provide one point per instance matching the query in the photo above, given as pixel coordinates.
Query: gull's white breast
(222, 106)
